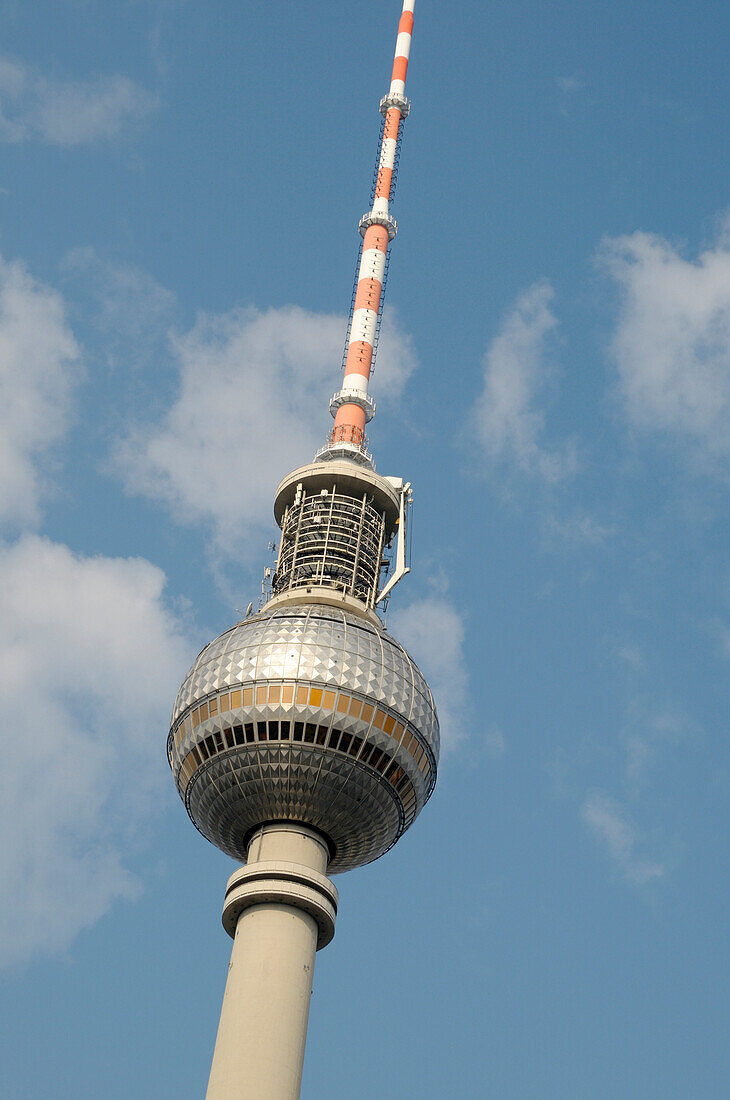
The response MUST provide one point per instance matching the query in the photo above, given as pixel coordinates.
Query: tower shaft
(280, 908)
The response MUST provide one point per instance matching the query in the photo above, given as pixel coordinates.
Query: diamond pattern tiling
(300, 782)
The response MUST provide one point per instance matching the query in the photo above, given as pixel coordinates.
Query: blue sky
(180, 185)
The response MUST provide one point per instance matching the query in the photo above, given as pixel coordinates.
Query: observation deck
(305, 713)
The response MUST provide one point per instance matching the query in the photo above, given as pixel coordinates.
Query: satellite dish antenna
(249, 609)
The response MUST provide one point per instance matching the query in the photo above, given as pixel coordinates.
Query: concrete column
(280, 908)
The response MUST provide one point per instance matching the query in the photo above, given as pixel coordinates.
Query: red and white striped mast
(352, 406)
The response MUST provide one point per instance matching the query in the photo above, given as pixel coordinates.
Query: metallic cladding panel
(234, 793)
(306, 647)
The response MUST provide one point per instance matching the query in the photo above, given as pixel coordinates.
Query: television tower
(304, 740)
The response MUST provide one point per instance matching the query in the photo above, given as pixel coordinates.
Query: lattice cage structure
(332, 539)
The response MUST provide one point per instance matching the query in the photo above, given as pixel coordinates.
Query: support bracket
(405, 495)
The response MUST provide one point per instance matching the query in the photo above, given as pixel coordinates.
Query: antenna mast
(352, 406)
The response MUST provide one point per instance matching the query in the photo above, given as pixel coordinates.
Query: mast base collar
(353, 452)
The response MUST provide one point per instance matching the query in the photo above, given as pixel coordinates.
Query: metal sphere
(306, 713)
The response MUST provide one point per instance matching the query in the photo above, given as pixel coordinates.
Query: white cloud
(494, 742)
(610, 824)
(252, 404)
(128, 310)
(569, 84)
(649, 736)
(632, 655)
(38, 365)
(578, 529)
(509, 423)
(569, 88)
(672, 339)
(67, 113)
(90, 659)
(432, 630)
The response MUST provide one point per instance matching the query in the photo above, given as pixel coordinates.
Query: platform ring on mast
(393, 99)
(353, 397)
(386, 220)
